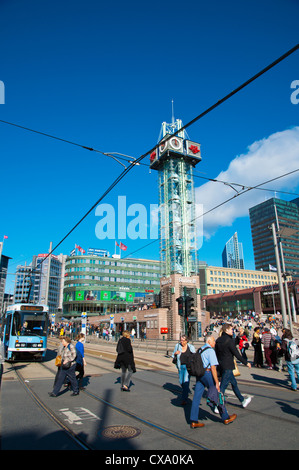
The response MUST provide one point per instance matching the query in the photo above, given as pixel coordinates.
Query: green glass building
(285, 215)
(99, 285)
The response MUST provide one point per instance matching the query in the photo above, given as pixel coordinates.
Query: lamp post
(281, 293)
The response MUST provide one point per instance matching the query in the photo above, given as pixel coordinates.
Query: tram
(25, 331)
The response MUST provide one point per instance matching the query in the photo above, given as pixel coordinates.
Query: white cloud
(267, 158)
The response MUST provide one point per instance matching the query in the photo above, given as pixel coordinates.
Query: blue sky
(104, 75)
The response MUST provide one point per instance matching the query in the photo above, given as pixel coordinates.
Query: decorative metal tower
(174, 158)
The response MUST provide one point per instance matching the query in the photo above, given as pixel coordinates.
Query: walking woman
(80, 359)
(257, 344)
(68, 366)
(182, 352)
(125, 360)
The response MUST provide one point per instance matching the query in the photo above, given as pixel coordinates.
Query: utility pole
(48, 276)
(281, 292)
(285, 282)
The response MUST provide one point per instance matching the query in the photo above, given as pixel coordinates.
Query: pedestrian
(125, 360)
(181, 355)
(242, 342)
(68, 367)
(257, 346)
(80, 358)
(1, 359)
(266, 341)
(209, 380)
(226, 351)
(58, 358)
(293, 367)
(133, 332)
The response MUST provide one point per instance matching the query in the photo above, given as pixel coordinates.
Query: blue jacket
(80, 353)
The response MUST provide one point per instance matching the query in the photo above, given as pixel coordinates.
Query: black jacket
(125, 354)
(226, 351)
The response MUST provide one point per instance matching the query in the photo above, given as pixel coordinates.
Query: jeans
(213, 396)
(126, 374)
(292, 368)
(227, 378)
(184, 381)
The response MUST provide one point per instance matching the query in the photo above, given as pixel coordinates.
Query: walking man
(226, 351)
(209, 380)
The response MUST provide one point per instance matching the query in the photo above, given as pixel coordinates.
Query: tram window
(16, 327)
(29, 324)
(7, 329)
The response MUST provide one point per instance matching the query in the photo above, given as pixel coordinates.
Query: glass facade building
(36, 283)
(285, 215)
(99, 285)
(232, 255)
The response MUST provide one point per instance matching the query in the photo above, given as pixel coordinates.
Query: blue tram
(25, 331)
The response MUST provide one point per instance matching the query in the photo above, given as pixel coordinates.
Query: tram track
(82, 443)
(240, 381)
(50, 413)
(105, 365)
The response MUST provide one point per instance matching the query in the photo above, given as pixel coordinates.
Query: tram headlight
(40, 345)
(20, 345)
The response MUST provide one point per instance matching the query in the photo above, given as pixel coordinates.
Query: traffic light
(180, 301)
(189, 306)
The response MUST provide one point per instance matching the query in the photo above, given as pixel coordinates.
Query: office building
(215, 279)
(4, 260)
(232, 255)
(99, 284)
(285, 216)
(41, 281)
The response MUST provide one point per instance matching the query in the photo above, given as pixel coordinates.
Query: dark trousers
(66, 374)
(213, 396)
(268, 353)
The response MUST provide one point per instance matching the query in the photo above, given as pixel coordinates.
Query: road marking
(79, 415)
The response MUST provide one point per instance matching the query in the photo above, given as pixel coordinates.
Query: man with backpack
(291, 352)
(209, 379)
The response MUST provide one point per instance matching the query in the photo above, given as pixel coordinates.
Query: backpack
(293, 351)
(195, 365)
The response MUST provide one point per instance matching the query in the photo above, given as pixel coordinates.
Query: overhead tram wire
(138, 160)
(240, 193)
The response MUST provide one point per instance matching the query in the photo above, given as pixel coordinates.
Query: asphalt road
(149, 418)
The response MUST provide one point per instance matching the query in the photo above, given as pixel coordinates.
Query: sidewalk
(157, 354)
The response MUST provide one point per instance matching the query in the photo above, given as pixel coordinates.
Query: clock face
(175, 143)
(162, 147)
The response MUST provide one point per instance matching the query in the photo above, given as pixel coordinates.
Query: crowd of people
(226, 345)
(220, 355)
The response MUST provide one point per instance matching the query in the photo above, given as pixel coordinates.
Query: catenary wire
(138, 160)
(218, 205)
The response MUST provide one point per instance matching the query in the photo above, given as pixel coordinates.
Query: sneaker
(246, 402)
(216, 410)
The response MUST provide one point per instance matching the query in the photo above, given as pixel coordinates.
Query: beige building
(215, 279)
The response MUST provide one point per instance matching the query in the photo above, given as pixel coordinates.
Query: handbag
(67, 365)
(175, 357)
(58, 361)
(236, 371)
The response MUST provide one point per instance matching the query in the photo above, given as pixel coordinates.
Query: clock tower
(175, 158)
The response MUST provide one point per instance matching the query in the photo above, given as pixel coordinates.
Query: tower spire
(172, 118)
